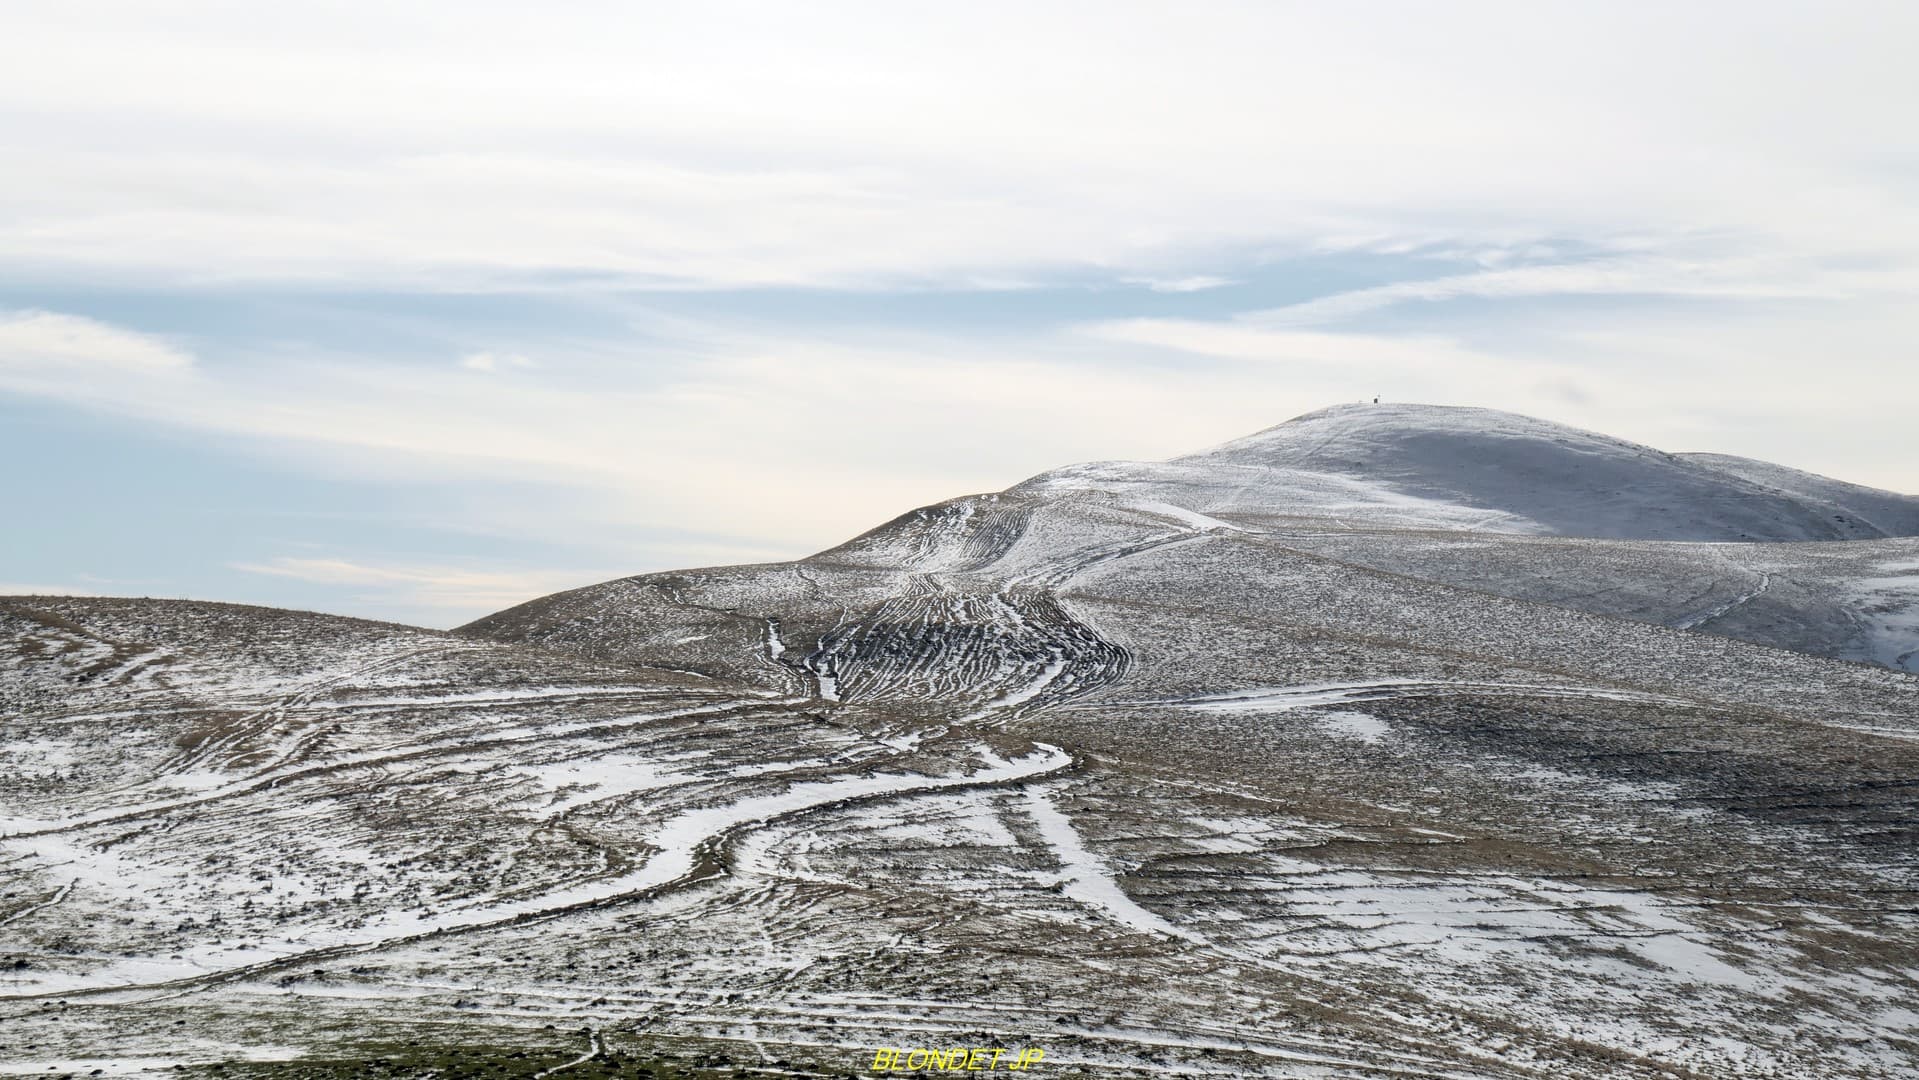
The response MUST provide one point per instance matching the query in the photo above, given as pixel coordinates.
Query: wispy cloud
(50, 341)
(1241, 341)
(861, 145)
(1194, 283)
(1734, 278)
(784, 444)
(1334, 366)
(462, 589)
(16, 588)
(489, 361)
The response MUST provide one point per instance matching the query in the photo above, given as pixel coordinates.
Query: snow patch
(1358, 726)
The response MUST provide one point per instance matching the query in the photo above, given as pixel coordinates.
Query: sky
(416, 311)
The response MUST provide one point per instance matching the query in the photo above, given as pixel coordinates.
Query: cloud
(487, 361)
(1195, 283)
(860, 145)
(1241, 341)
(15, 588)
(45, 340)
(410, 586)
(746, 443)
(1325, 366)
(1739, 278)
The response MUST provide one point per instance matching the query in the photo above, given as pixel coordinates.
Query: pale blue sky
(416, 313)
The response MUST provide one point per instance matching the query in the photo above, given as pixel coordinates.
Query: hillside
(1316, 754)
(1479, 470)
(1472, 498)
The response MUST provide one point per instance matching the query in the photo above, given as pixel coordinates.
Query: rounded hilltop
(1456, 467)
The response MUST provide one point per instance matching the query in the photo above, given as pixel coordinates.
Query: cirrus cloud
(44, 340)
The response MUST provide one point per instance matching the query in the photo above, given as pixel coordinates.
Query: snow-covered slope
(1487, 471)
(1863, 510)
(1234, 623)
(1854, 601)
(1317, 754)
(1364, 823)
(1484, 500)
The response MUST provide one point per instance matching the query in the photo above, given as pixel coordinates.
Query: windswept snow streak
(1283, 698)
(1087, 878)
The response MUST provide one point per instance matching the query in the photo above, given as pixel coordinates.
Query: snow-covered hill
(1485, 471)
(1473, 498)
(1339, 750)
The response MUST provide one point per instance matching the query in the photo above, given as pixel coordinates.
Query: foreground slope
(235, 832)
(1390, 853)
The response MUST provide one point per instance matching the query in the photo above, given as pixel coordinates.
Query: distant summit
(1481, 470)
